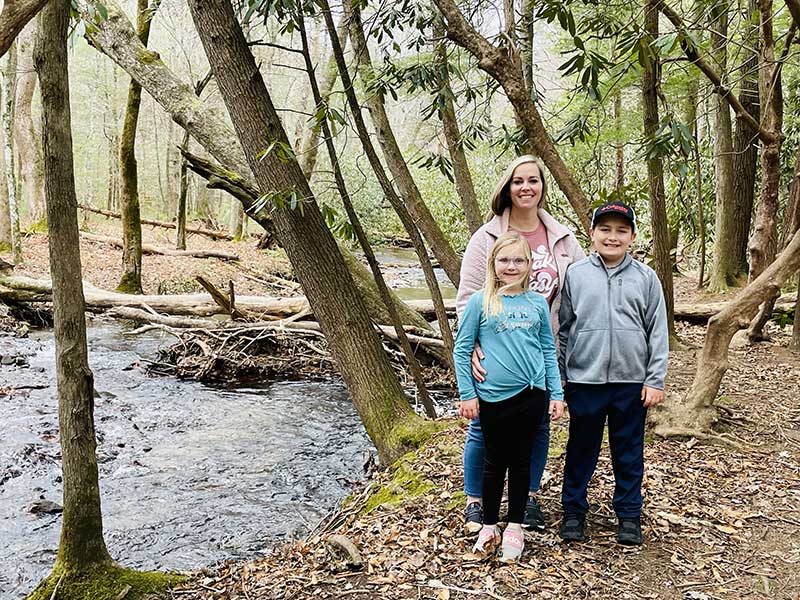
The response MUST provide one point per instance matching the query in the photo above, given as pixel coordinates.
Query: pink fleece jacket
(563, 245)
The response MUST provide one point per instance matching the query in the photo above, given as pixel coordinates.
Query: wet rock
(44, 507)
(7, 359)
(21, 361)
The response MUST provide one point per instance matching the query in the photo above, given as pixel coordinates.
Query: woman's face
(525, 187)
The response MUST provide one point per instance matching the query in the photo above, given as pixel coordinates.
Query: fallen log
(216, 235)
(150, 249)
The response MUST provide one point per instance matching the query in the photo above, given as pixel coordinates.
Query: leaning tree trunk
(14, 17)
(131, 279)
(27, 138)
(447, 113)
(745, 150)
(725, 265)
(309, 244)
(7, 92)
(764, 243)
(655, 172)
(696, 413)
(116, 38)
(508, 73)
(423, 219)
(82, 545)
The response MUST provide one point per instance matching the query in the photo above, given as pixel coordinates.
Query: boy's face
(611, 237)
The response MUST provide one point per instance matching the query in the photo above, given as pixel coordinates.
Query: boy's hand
(556, 409)
(469, 409)
(478, 372)
(652, 396)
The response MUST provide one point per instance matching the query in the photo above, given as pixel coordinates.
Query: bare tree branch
(14, 17)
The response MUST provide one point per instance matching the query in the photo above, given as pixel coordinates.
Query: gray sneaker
(534, 518)
(473, 517)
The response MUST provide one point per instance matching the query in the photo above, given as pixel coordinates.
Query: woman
(517, 205)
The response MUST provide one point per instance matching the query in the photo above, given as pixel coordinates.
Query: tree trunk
(8, 92)
(696, 413)
(236, 221)
(403, 179)
(5, 223)
(309, 147)
(526, 44)
(764, 243)
(27, 138)
(131, 279)
(692, 119)
(447, 113)
(795, 343)
(413, 363)
(13, 18)
(725, 266)
(309, 244)
(116, 38)
(496, 62)
(619, 147)
(745, 150)
(655, 171)
(386, 185)
(82, 544)
(180, 218)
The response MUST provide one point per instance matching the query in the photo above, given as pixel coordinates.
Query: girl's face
(525, 187)
(511, 265)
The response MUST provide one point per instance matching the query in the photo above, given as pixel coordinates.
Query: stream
(189, 475)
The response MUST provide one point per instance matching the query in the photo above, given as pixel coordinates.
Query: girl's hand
(478, 372)
(469, 409)
(556, 409)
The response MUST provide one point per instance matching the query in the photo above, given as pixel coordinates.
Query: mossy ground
(107, 582)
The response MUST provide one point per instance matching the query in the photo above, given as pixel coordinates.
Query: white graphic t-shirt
(544, 272)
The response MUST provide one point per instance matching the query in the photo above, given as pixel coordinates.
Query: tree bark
(507, 72)
(116, 38)
(795, 343)
(81, 545)
(131, 278)
(236, 221)
(693, 119)
(745, 151)
(214, 235)
(409, 192)
(725, 266)
(27, 138)
(655, 171)
(8, 77)
(526, 44)
(696, 413)
(356, 349)
(447, 113)
(14, 17)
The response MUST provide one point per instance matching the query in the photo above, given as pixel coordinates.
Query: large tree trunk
(508, 73)
(393, 156)
(655, 172)
(745, 150)
(116, 38)
(82, 545)
(27, 138)
(447, 113)
(14, 17)
(131, 278)
(526, 44)
(696, 413)
(5, 223)
(8, 76)
(725, 266)
(693, 121)
(374, 387)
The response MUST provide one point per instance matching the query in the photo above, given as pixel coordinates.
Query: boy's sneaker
(534, 518)
(473, 517)
(630, 531)
(573, 528)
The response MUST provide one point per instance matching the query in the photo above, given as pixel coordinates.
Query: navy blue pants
(589, 405)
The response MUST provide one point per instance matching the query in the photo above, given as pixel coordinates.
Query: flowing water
(401, 269)
(189, 475)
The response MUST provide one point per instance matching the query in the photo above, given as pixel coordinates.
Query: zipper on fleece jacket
(610, 325)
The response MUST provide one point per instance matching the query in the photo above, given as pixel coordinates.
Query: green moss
(129, 284)
(5, 247)
(39, 226)
(457, 501)
(413, 432)
(147, 57)
(558, 441)
(106, 582)
(406, 483)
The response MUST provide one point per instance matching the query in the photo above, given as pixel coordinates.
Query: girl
(512, 326)
(518, 204)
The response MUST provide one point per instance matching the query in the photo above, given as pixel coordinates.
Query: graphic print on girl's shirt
(544, 271)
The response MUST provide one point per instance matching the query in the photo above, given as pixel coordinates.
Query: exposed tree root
(105, 582)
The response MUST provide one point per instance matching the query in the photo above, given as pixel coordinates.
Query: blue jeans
(474, 452)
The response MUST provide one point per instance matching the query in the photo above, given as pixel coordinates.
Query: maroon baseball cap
(614, 208)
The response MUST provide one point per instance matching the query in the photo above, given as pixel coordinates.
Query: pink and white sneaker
(488, 539)
(513, 544)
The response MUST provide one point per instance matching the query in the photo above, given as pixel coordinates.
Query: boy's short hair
(614, 208)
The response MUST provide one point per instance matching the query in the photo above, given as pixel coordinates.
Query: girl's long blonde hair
(501, 199)
(492, 289)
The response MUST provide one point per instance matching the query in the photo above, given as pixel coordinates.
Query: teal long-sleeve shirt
(518, 345)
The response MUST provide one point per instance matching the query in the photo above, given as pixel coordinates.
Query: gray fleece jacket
(613, 324)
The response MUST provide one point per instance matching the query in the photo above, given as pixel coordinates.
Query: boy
(613, 350)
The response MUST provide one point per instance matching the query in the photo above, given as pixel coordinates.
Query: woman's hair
(493, 288)
(501, 199)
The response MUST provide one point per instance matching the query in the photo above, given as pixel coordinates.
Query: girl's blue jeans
(474, 452)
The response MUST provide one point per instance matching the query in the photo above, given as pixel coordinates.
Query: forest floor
(719, 522)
